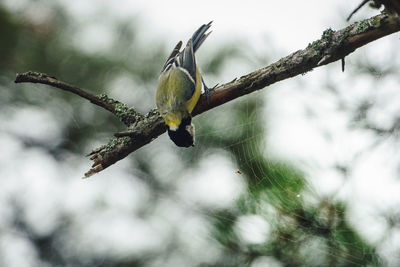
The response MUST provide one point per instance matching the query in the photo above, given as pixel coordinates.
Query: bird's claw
(208, 91)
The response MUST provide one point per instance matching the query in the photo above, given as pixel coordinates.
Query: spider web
(285, 176)
(323, 223)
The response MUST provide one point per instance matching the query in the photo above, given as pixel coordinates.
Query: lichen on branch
(142, 129)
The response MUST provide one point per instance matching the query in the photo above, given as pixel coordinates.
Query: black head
(184, 135)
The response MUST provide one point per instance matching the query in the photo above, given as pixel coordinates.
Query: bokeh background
(318, 155)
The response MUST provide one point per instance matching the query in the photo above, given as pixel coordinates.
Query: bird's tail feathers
(200, 35)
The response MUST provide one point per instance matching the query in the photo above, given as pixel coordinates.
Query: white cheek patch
(173, 128)
(190, 130)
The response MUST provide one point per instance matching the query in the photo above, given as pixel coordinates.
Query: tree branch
(125, 114)
(357, 8)
(331, 47)
(391, 6)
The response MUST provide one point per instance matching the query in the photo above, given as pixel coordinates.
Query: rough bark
(332, 46)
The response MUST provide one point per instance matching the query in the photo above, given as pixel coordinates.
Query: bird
(179, 88)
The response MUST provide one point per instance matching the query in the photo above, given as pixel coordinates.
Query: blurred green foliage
(302, 234)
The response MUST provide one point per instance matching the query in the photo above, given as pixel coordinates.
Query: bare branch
(331, 47)
(125, 114)
(391, 6)
(145, 131)
(357, 8)
(35, 77)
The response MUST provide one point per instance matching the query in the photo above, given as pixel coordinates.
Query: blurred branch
(331, 47)
(357, 8)
(380, 131)
(391, 6)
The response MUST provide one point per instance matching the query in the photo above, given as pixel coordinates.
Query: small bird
(179, 89)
